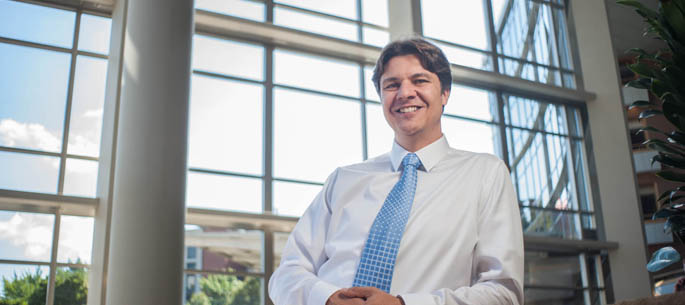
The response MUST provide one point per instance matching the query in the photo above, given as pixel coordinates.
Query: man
(422, 224)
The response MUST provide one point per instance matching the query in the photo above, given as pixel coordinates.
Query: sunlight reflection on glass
(441, 18)
(228, 57)
(80, 178)
(94, 34)
(87, 104)
(315, 24)
(379, 135)
(470, 136)
(471, 102)
(219, 192)
(292, 199)
(316, 73)
(309, 147)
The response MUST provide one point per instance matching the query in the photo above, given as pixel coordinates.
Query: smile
(408, 109)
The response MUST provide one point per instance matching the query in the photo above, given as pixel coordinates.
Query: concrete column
(611, 147)
(404, 18)
(138, 250)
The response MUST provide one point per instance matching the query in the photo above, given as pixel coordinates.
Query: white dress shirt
(462, 244)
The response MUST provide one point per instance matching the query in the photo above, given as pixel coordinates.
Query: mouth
(408, 109)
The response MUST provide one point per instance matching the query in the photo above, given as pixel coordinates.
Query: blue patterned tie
(378, 256)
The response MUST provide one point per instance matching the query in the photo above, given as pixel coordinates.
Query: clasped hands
(362, 296)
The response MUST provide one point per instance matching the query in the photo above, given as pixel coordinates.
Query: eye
(421, 80)
(391, 86)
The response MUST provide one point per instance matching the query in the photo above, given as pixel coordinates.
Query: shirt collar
(429, 155)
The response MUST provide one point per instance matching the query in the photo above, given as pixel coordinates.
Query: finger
(360, 292)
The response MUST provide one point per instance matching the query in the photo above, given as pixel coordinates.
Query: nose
(407, 91)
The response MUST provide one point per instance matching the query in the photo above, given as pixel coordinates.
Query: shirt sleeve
(295, 281)
(498, 255)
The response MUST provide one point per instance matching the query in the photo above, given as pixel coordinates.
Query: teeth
(408, 109)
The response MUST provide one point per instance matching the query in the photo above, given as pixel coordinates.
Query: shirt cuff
(320, 293)
(417, 298)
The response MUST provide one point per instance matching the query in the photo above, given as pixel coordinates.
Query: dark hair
(430, 56)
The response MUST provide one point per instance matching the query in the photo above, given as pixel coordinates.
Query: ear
(445, 96)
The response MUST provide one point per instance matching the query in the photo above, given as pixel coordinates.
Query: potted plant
(663, 74)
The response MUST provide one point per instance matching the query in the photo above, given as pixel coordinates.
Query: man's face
(412, 99)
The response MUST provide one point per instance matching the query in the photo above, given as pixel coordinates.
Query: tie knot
(411, 159)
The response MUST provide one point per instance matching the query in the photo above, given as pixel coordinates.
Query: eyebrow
(415, 75)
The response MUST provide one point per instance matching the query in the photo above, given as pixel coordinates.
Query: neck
(416, 142)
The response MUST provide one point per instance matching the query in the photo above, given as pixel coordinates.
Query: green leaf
(677, 137)
(643, 69)
(640, 104)
(670, 161)
(650, 128)
(674, 18)
(649, 113)
(671, 176)
(664, 213)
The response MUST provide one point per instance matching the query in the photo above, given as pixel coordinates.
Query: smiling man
(422, 224)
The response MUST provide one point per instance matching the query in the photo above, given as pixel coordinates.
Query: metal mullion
(223, 173)
(460, 46)
(49, 4)
(452, 116)
(492, 36)
(91, 54)
(236, 273)
(362, 86)
(298, 181)
(537, 64)
(50, 298)
(569, 211)
(584, 277)
(34, 45)
(269, 11)
(345, 97)
(89, 158)
(556, 44)
(23, 262)
(29, 151)
(227, 77)
(67, 112)
(268, 148)
(550, 3)
(535, 130)
(502, 129)
(360, 25)
(317, 13)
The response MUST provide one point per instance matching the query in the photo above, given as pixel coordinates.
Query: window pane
(540, 170)
(219, 192)
(29, 173)
(552, 269)
(375, 11)
(369, 87)
(342, 8)
(531, 114)
(550, 223)
(375, 37)
(75, 240)
(94, 34)
(292, 199)
(473, 103)
(280, 239)
(26, 236)
(581, 175)
(471, 136)
(441, 18)
(207, 289)
(16, 274)
(220, 249)
(530, 72)
(225, 125)
(527, 31)
(309, 147)
(80, 178)
(316, 73)
(315, 24)
(85, 127)
(32, 79)
(71, 286)
(465, 57)
(228, 57)
(36, 23)
(379, 135)
(240, 8)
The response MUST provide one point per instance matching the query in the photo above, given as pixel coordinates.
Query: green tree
(227, 290)
(31, 288)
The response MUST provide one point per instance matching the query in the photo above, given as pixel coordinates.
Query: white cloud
(28, 135)
(30, 232)
(32, 235)
(96, 113)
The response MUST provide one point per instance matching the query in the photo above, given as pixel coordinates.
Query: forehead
(404, 65)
